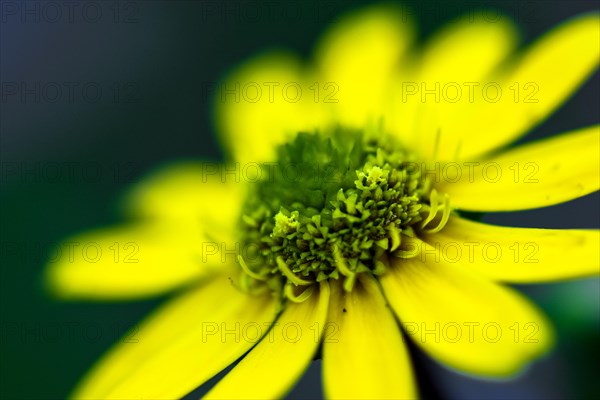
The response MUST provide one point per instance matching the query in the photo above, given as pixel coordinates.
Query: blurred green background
(140, 72)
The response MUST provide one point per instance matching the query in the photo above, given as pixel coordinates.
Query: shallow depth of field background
(133, 79)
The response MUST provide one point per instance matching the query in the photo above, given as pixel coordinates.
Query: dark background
(139, 72)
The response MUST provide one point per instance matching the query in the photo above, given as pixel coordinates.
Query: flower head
(353, 228)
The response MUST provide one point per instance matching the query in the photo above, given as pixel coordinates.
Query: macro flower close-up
(345, 222)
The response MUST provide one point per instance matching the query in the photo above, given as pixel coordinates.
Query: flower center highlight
(332, 207)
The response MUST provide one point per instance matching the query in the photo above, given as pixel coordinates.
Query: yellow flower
(411, 139)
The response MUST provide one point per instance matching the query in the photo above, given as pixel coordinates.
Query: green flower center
(332, 207)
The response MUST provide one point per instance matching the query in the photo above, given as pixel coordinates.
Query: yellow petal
(521, 255)
(182, 345)
(264, 103)
(455, 60)
(542, 79)
(364, 356)
(211, 193)
(535, 175)
(463, 320)
(357, 58)
(131, 261)
(276, 363)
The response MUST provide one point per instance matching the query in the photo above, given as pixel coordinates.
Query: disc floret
(351, 199)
